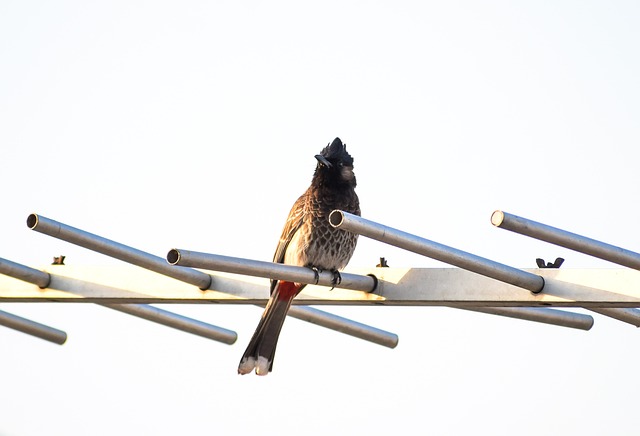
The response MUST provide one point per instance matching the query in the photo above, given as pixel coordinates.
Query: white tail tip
(262, 366)
(247, 365)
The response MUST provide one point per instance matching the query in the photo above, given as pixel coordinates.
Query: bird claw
(316, 274)
(336, 280)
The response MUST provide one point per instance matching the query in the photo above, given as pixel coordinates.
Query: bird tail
(262, 347)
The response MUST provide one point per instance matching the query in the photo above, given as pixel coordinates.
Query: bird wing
(291, 226)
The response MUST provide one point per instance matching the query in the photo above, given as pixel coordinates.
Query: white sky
(194, 124)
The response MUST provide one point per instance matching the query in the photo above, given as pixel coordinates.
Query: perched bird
(307, 240)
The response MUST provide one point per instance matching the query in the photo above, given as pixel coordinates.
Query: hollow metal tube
(566, 239)
(344, 325)
(24, 273)
(434, 250)
(628, 315)
(269, 270)
(544, 315)
(117, 250)
(176, 321)
(32, 328)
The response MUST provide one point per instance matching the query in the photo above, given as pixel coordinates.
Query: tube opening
(173, 256)
(32, 221)
(335, 218)
(497, 217)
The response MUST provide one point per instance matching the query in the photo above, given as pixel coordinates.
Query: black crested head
(335, 166)
(337, 152)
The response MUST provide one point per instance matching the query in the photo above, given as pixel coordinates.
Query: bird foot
(336, 280)
(316, 274)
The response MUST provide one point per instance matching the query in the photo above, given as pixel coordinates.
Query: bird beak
(323, 161)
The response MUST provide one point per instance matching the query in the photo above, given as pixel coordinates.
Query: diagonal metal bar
(24, 273)
(566, 239)
(434, 250)
(544, 315)
(116, 250)
(176, 321)
(270, 270)
(628, 315)
(32, 328)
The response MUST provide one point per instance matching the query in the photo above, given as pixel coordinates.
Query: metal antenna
(477, 284)
(198, 278)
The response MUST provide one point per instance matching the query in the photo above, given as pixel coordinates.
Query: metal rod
(443, 253)
(115, 249)
(269, 270)
(566, 239)
(540, 314)
(628, 315)
(149, 313)
(297, 274)
(176, 321)
(140, 258)
(344, 325)
(32, 328)
(24, 273)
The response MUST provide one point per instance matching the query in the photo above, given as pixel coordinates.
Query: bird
(310, 241)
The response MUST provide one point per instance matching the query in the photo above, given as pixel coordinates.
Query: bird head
(335, 165)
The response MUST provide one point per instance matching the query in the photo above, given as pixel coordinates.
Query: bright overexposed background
(194, 124)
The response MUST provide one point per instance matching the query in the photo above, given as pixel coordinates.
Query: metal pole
(269, 270)
(566, 239)
(443, 253)
(297, 274)
(540, 314)
(628, 315)
(32, 328)
(344, 325)
(24, 273)
(154, 263)
(176, 321)
(149, 313)
(119, 251)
